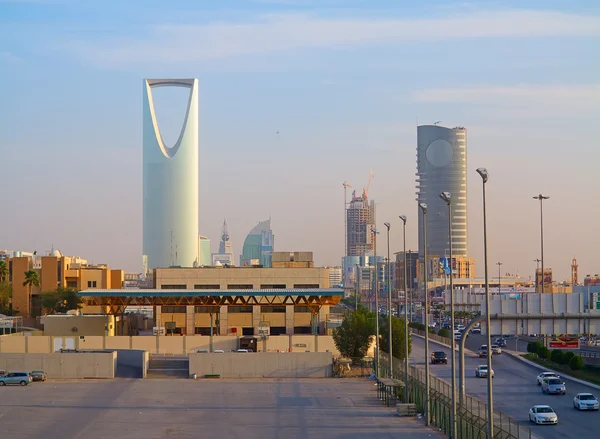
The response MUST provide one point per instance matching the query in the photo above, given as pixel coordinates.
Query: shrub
(543, 352)
(534, 347)
(576, 363)
(558, 356)
(444, 333)
(567, 357)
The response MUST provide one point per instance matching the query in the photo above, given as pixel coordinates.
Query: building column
(190, 320)
(255, 318)
(223, 325)
(289, 320)
(158, 316)
(323, 319)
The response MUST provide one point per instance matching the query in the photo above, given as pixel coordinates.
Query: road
(516, 391)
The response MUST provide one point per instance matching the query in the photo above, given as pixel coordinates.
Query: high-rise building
(225, 254)
(360, 219)
(258, 246)
(442, 167)
(170, 224)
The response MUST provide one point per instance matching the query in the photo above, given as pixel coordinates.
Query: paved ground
(181, 409)
(515, 391)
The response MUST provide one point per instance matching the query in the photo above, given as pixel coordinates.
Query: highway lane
(516, 391)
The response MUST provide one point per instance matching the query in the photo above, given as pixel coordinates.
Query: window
(277, 330)
(240, 309)
(306, 286)
(204, 330)
(173, 287)
(207, 287)
(71, 284)
(206, 309)
(302, 330)
(267, 308)
(301, 309)
(273, 286)
(91, 284)
(240, 286)
(59, 269)
(10, 271)
(173, 309)
(247, 331)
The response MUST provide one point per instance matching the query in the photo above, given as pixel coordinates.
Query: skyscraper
(442, 167)
(258, 246)
(225, 254)
(360, 219)
(170, 223)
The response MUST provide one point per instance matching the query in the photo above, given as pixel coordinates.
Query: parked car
(38, 375)
(483, 351)
(218, 351)
(482, 371)
(553, 385)
(543, 375)
(585, 401)
(543, 414)
(22, 378)
(439, 357)
(496, 349)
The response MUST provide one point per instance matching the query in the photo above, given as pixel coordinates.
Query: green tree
(534, 346)
(3, 271)
(355, 334)
(558, 356)
(6, 298)
(398, 335)
(444, 333)
(567, 357)
(576, 363)
(61, 300)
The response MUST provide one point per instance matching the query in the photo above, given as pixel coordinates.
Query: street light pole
(447, 198)
(375, 232)
(389, 291)
(403, 218)
(537, 267)
(499, 264)
(542, 198)
(490, 414)
(423, 207)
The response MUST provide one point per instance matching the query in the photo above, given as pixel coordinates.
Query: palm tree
(3, 271)
(31, 279)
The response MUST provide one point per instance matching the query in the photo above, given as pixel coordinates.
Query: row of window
(232, 309)
(236, 286)
(274, 330)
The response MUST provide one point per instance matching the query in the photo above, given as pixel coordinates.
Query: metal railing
(471, 413)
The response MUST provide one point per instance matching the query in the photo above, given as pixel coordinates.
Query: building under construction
(360, 219)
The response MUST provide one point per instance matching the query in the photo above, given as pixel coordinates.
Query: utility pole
(499, 264)
(537, 267)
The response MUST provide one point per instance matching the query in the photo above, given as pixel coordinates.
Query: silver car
(22, 378)
(585, 401)
(553, 385)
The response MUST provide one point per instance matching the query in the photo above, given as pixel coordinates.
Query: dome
(56, 253)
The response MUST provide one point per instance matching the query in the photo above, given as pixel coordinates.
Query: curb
(562, 375)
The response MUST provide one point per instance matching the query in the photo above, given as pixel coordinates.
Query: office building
(442, 167)
(225, 254)
(335, 276)
(292, 260)
(360, 219)
(170, 211)
(258, 246)
(205, 252)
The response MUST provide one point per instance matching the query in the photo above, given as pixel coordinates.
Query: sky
(296, 97)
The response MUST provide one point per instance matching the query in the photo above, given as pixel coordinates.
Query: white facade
(170, 224)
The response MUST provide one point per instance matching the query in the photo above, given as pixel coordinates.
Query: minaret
(574, 276)
(225, 247)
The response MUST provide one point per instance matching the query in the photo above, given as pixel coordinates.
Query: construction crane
(346, 186)
(366, 190)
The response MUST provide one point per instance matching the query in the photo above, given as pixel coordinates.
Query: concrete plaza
(183, 408)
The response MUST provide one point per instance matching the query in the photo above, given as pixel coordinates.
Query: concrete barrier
(63, 365)
(263, 365)
(131, 363)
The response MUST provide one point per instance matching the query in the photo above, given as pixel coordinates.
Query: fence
(471, 413)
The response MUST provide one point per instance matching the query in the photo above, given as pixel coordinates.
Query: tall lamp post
(490, 415)
(499, 264)
(542, 198)
(403, 218)
(447, 198)
(375, 232)
(423, 207)
(389, 298)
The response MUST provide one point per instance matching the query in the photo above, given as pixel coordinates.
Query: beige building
(240, 320)
(78, 325)
(56, 271)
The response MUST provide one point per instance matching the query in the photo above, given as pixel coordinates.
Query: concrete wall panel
(118, 342)
(171, 345)
(90, 342)
(12, 344)
(263, 365)
(38, 345)
(144, 343)
(66, 366)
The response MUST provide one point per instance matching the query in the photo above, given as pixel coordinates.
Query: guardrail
(471, 413)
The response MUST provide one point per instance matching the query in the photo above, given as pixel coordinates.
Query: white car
(585, 401)
(543, 414)
(543, 375)
(476, 330)
(482, 371)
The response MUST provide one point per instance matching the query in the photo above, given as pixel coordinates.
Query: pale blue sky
(342, 81)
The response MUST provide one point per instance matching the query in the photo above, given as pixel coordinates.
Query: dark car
(38, 375)
(439, 357)
(501, 342)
